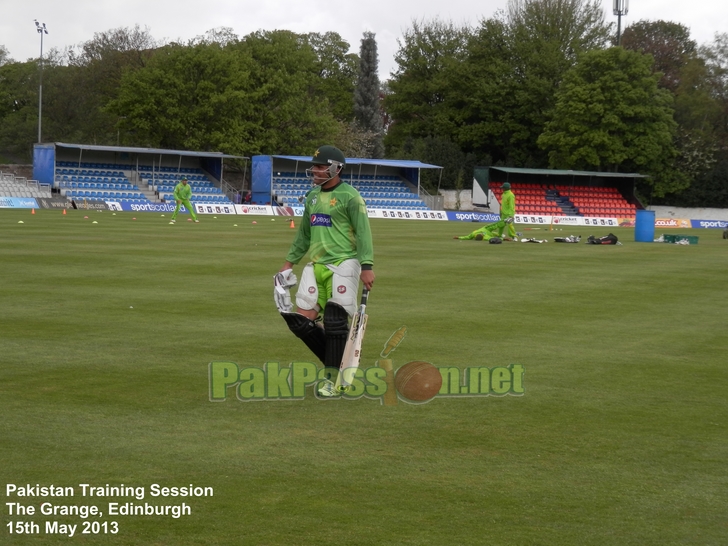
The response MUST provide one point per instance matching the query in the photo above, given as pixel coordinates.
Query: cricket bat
(352, 351)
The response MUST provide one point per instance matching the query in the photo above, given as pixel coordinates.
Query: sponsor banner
(707, 224)
(18, 203)
(484, 217)
(143, 207)
(626, 222)
(53, 203)
(407, 214)
(533, 219)
(256, 210)
(213, 208)
(86, 204)
(583, 221)
(672, 223)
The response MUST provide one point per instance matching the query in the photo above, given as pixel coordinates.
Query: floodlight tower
(41, 28)
(621, 7)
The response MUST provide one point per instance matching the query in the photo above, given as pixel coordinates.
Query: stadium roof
(398, 163)
(155, 151)
(557, 172)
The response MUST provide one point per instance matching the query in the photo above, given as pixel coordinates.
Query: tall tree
(421, 86)
(702, 110)
(253, 96)
(336, 71)
(546, 36)
(669, 44)
(367, 103)
(18, 108)
(610, 115)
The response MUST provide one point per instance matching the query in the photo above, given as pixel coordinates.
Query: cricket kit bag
(610, 239)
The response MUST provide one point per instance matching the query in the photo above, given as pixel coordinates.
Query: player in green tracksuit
(485, 233)
(507, 210)
(182, 194)
(335, 234)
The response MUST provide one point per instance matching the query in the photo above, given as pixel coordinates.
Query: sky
(73, 22)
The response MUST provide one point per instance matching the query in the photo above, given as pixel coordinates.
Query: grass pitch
(621, 437)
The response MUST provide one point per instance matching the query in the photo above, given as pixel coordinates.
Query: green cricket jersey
(508, 204)
(182, 192)
(335, 227)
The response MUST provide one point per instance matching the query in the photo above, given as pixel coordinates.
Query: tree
(4, 55)
(668, 43)
(336, 71)
(18, 108)
(420, 86)
(610, 115)
(702, 111)
(194, 97)
(367, 110)
(288, 104)
(253, 96)
(545, 39)
(484, 98)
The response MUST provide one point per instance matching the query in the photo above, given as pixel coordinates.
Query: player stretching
(487, 232)
(335, 233)
(182, 194)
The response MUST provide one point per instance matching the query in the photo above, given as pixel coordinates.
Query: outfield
(621, 437)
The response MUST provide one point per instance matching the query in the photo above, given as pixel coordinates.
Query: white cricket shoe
(327, 389)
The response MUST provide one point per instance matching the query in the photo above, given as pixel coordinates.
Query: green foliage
(255, 96)
(367, 102)
(4, 55)
(610, 115)
(668, 43)
(19, 108)
(442, 152)
(420, 88)
(336, 69)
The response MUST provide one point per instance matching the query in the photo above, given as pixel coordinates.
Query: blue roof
(156, 151)
(398, 163)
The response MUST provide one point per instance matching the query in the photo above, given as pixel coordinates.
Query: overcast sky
(72, 22)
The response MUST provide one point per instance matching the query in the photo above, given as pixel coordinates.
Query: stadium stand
(561, 200)
(17, 186)
(380, 191)
(111, 182)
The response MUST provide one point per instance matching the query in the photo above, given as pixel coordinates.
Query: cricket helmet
(329, 155)
(506, 186)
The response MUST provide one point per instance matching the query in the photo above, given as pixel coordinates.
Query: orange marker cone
(64, 212)
(32, 211)
(293, 226)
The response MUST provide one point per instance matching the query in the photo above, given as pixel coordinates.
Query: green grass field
(621, 437)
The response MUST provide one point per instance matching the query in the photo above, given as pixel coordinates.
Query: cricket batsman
(182, 194)
(335, 234)
(508, 210)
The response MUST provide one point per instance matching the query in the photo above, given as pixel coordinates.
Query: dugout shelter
(559, 192)
(145, 172)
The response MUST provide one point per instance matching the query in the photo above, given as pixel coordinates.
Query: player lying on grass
(335, 233)
(487, 232)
